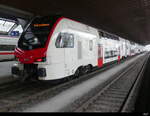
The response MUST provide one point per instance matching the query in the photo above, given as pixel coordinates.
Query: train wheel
(69, 78)
(89, 68)
(77, 73)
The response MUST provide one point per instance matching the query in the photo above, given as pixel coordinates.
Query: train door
(119, 54)
(126, 49)
(100, 55)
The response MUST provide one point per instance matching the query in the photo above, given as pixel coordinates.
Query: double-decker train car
(54, 47)
(110, 46)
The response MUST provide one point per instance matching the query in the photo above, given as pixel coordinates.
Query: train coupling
(15, 71)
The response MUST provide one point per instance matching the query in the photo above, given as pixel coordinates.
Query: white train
(10, 31)
(56, 47)
(7, 47)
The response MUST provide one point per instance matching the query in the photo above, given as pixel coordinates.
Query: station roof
(5, 25)
(127, 18)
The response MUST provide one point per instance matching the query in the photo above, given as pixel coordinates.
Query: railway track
(16, 96)
(118, 94)
(13, 94)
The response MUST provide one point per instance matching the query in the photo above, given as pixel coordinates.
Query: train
(56, 47)
(9, 35)
(7, 47)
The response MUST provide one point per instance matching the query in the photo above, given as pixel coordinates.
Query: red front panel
(28, 57)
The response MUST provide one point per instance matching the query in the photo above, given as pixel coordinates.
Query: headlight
(41, 59)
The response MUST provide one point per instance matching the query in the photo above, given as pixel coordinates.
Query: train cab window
(65, 40)
(36, 34)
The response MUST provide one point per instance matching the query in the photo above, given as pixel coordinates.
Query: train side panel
(6, 55)
(111, 50)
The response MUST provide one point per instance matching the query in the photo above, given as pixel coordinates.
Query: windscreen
(37, 33)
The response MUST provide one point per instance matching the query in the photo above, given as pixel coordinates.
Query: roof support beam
(9, 12)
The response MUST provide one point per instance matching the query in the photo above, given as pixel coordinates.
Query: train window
(107, 54)
(105, 35)
(58, 42)
(111, 53)
(33, 38)
(101, 34)
(65, 40)
(19, 28)
(7, 47)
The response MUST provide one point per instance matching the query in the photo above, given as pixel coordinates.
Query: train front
(32, 48)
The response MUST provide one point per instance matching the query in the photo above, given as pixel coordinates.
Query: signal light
(41, 59)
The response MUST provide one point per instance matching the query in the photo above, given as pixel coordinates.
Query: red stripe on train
(7, 53)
